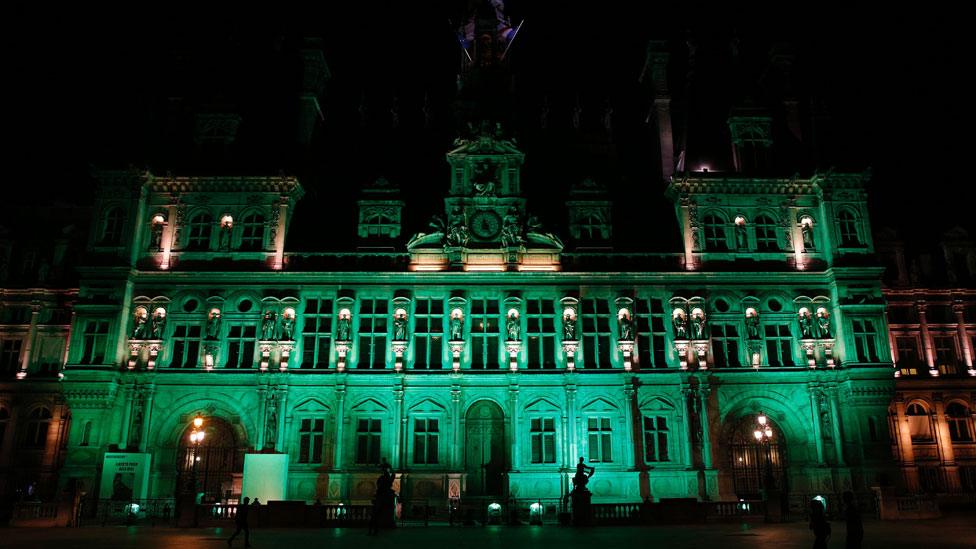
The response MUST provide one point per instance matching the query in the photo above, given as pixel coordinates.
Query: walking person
(855, 526)
(240, 519)
(819, 525)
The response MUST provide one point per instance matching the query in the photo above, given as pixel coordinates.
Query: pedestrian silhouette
(819, 525)
(240, 519)
(855, 527)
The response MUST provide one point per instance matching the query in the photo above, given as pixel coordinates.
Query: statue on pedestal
(698, 325)
(806, 324)
(158, 324)
(823, 324)
(268, 325)
(343, 328)
(625, 326)
(582, 476)
(569, 327)
(139, 329)
(287, 327)
(457, 328)
(512, 326)
(400, 327)
(752, 325)
(680, 324)
(213, 324)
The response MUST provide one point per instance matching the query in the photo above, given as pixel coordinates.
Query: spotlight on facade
(536, 510)
(494, 513)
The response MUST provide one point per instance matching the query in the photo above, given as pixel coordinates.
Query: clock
(486, 224)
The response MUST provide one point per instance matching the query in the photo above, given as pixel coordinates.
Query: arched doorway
(215, 466)
(484, 449)
(756, 466)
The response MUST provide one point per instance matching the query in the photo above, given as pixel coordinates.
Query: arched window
(252, 236)
(849, 235)
(198, 236)
(918, 422)
(86, 436)
(37, 426)
(957, 415)
(766, 234)
(715, 238)
(112, 227)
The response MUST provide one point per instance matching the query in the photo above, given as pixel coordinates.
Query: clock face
(486, 224)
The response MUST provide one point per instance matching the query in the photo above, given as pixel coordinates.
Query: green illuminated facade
(483, 359)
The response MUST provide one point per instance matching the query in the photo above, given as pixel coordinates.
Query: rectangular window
(425, 437)
(779, 345)
(865, 340)
(909, 356)
(596, 333)
(240, 347)
(543, 434)
(655, 439)
(903, 315)
(651, 351)
(725, 345)
(540, 330)
(10, 356)
(945, 354)
(310, 439)
(93, 342)
(598, 431)
(317, 334)
(428, 334)
(484, 334)
(372, 334)
(368, 442)
(186, 346)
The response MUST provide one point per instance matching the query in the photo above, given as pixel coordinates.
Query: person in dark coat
(240, 519)
(819, 525)
(855, 527)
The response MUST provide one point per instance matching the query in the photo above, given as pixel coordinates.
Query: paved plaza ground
(955, 531)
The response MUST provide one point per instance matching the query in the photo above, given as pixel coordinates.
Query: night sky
(82, 86)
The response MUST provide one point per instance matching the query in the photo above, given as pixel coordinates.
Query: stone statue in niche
(806, 324)
(139, 329)
(287, 327)
(625, 326)
(806, 231)
(158, 324)
(483, 176)
(752, 325)
(569, 327)
(343, 328)
(680, 324)
(823, 324)
(156, 237)
(741, 240)
(268, 325)
(698, 325)
(457, 328)
(512, 326)
(213, 325)
(271, 427)
(400, 327)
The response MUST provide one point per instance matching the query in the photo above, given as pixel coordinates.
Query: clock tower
(485, 226)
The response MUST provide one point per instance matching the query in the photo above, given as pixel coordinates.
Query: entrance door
(215, 466)
(484, 449)
(756, 466)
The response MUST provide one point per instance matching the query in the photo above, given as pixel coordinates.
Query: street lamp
(764, 436)
(196, 437)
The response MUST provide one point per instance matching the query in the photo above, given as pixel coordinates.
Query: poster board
(265, 477)
(125, 476)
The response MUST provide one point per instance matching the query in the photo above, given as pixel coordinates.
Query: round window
(245, 305)
(721, 305)
(774, 305)
(190, 305)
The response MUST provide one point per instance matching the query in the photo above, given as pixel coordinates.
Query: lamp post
(196, 437)
(764, 436)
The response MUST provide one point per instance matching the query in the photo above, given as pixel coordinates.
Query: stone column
(150, 390)
(686, 418)
(455, 426)
(399, 429)
(906, 450)
(967, 348)
(944, 441)
(262, 409)
(340, 424)
(25, 356)
(513, 393)
(628, 410)
(123, 439)
(926, 336)
(815, 415)
(284, 420)
(835, 425)
(703, 392)
(573, 421)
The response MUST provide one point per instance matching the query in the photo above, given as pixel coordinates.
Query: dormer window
(849, 234)
(112, 227)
